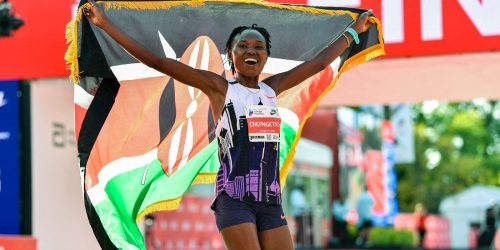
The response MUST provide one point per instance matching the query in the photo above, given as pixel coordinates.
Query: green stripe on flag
(123, 232)
(287, 136)
(146, 189)
(289, 128)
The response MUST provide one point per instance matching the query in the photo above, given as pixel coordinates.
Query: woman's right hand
(95, 14)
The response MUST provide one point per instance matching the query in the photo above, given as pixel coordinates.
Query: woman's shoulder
(267, 89)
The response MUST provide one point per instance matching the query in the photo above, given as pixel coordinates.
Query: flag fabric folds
(145, 138)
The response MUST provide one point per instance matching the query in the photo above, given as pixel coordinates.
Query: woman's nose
(251, 50)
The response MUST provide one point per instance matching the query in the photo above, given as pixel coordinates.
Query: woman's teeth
(251, 60)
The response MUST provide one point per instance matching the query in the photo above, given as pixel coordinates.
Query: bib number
(264, 123)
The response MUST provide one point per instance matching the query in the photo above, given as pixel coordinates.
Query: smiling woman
(248, 125)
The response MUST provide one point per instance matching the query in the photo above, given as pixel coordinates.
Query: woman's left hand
(363, 22)
(95, 14)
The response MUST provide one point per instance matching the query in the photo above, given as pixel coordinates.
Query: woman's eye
(242, 46)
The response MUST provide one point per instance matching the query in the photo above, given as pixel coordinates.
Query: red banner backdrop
(17, 242)
(429, 27)
(425, 27)
(36, 49)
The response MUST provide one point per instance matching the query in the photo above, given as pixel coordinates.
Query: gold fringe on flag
(204, 178)
(160, 206)
(150, 5)
(71, 56)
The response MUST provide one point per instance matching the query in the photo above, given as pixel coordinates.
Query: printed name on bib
(264, 123)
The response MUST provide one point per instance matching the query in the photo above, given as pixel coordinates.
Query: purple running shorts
(230, 212)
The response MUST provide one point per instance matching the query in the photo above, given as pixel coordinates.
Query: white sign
(59, 219)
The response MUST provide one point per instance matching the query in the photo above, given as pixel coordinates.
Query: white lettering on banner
(393, 21)
(3, 101)
(431, 12)
(484, 14)
(340, 3)
(4, 135)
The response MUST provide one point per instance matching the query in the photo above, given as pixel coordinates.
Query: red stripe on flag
(132, 126)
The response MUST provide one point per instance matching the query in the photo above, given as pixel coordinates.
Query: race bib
(264, 123)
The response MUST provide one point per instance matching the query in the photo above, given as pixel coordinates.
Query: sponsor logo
(269, 97)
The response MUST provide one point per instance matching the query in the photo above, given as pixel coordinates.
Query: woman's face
(249, 53)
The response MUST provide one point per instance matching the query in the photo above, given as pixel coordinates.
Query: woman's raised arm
(283, 81)
(208, 82)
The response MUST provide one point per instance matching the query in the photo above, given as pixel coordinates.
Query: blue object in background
(388, 150)
(9, 158)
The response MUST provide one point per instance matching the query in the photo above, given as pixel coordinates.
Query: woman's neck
(250, 82)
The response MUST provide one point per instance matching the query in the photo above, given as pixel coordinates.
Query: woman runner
(248, 194)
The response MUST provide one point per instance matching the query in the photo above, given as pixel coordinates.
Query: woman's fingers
(365, 14)
(363, 22)
(86, 11)
(89, 10)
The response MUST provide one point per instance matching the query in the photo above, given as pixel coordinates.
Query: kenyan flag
(145, 138)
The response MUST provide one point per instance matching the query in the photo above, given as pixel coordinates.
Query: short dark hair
(238, 30)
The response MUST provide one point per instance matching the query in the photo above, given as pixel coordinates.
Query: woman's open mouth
(251, 61)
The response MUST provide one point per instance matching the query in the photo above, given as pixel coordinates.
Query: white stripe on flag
(97, 194)
(289, 117)
(124, 165)
(335, 66)
(134, 71)
(82, 98)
